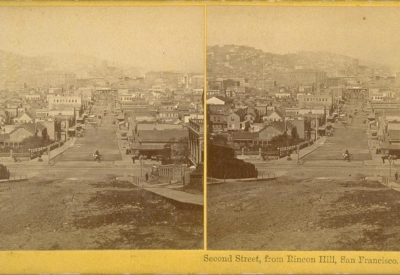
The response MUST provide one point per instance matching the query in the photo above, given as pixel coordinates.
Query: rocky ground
(74, 214)
(299, 212)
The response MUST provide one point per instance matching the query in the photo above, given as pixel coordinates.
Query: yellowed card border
(298, 3)
(195, 261)
(205, 128)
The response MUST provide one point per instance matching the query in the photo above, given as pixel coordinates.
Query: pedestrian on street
(147, 176)
(396, 176)
(383, 159)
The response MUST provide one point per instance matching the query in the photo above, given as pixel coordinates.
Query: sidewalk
(303, 152)
(261, 177)
(393, 185)
(167, 191)
(377, 161)
(58, 151)
(126, 159)
(53, 153)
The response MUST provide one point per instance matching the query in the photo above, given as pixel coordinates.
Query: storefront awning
(147, 147)
(387, 146)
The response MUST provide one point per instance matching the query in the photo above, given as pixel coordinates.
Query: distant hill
(13, 66)
(249, 62)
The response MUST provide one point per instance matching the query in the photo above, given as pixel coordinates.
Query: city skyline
(152, 38)
(356, 32)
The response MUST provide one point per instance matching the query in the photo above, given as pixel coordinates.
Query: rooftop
(161, 135)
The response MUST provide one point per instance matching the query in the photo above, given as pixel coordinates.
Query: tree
(294, 133)
(180, 150)
(177, 150)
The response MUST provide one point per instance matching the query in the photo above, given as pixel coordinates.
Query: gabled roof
(183, 106)
(394, 134)
(3, 113)
(244, 135)
(280, 125)
(155, 126)
(270, 112)
(241, 113)
(167, 103)
(28, 114)
(141, 113)
(177, 121)
(312, 116)
(4, 137)
(161, 135)
(31, 127)
(279, 113)
(393, 126)
(219, 111)
(224, 98)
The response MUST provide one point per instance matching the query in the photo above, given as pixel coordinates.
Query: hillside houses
(18, 134)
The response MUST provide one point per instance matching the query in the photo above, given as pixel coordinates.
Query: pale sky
(360, 32)
(157, 38)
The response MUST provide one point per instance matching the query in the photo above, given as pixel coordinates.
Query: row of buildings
(158, 81)
(255, 98)
(50, 114)
(149, 122)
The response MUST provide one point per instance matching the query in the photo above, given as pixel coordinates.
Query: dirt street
(72, 214)
(298, 212)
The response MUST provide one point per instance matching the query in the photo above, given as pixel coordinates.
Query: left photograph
(101, 128)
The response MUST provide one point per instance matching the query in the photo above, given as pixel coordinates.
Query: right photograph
(303, 128)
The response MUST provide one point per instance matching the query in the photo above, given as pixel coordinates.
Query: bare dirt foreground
(78, 214)
(297, 213)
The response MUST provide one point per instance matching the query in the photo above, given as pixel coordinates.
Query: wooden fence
(180, 173)
(32, 153)
(36, 152)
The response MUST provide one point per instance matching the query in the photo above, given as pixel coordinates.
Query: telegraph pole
(298, 154)
(48, 154)
(316, 126)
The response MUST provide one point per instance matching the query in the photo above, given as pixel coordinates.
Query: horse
(346, 156)
(96, 157)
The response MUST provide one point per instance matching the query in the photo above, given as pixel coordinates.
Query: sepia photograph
(303, 128)
(101, 127)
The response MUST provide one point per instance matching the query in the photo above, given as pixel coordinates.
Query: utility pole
(48, 154)
(298, 154)
(66, 128)
(316, 126)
